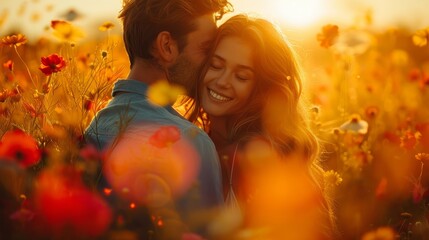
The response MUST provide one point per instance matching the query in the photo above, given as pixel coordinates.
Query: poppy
(18, 146)
(64, 203)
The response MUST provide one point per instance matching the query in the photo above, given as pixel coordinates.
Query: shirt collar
(130, 86)
(137, 87)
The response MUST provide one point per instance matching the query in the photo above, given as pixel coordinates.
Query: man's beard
(185, 73)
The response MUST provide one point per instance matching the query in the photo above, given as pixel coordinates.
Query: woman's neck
(219, 131)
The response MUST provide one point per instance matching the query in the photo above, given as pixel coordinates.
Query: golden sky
(32, 16)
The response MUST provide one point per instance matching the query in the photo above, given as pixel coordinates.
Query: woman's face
(230, 78)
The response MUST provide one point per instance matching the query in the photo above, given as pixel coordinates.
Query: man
(164, 39)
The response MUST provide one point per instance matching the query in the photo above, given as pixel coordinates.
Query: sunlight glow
(298, 13)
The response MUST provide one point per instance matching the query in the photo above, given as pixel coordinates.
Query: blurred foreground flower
(16, 145)
(421, 37)
(328, 36)
(14, 40)
(382, 233)
(65, 31)
(51, 64)
(165, 136)
(68, 207)
(163, 93)
(151, 164)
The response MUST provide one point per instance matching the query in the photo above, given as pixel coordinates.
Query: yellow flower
(332, 178)
(163, 93)
(421, 37)
(106, 26)
(399, 57)
(65, 31)
(14, 40)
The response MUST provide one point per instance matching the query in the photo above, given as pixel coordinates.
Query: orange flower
(14, 40)
(328, 36)
(8, 65)
(421, 37)
(409, 139)
(106, 26)
(16, 145)
(51, 64)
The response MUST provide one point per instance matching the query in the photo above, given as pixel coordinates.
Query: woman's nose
(224, 80)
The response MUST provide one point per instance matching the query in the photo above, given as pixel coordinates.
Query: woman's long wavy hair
(275, 109)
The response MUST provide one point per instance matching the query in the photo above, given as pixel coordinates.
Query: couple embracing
(239, 161)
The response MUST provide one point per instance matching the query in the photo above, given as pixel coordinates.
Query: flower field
(369, 89)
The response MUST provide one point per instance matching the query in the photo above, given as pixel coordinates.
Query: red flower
(90, 152)
(409, 139)
(424, 81)
(165, 136)
(63, 201)
(51, 64)
(414, 74)
(18, 146)
(8, 65)
(418, 192)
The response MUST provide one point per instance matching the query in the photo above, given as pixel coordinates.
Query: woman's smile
(218, 96)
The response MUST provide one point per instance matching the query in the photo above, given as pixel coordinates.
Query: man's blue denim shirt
(130, 100)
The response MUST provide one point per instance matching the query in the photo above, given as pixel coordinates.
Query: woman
(249, 103)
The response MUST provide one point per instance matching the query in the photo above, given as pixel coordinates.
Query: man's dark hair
(143, 20)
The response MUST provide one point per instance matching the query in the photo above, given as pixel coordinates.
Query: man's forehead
(206, 24)
(204, 32)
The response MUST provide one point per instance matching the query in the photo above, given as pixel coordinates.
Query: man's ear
(165, 47)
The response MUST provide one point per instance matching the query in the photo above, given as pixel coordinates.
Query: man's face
(185, 70)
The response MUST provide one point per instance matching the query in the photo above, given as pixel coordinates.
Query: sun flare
(300, 13)
(291, 12)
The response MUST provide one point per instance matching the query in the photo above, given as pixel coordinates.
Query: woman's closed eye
(216, 65)
(243, 76)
